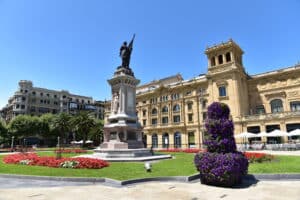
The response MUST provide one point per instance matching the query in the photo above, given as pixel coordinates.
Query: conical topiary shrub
(222, 164)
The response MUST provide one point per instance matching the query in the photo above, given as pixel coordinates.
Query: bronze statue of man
(125, 53)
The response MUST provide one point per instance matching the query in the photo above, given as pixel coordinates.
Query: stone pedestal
(122, 132)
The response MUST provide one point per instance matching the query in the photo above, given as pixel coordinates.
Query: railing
(271, 116)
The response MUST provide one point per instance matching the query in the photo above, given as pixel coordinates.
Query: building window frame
(276, 106)
(222, 91)
(176, 108)
(176, 118)
(295, 106)
(260, 109)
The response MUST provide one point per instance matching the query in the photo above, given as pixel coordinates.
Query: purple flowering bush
(222, 164)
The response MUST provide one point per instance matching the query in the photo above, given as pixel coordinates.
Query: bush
(33, 159)
(221, 169)
(222, 164)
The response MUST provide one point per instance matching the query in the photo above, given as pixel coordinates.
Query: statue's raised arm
(125, 52)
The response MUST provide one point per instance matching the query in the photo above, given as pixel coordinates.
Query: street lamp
(12, 143)
(58, 151)
(25, 148)
(58, 142)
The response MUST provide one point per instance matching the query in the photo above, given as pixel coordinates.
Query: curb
(54, 178)
(182, 179)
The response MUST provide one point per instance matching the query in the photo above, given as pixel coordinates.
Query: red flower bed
(34, 159)
(258, 157)
(181, 150)
(70, 151)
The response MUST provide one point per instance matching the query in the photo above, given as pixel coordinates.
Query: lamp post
(58, 151)
(12, 143)
(25, 148)
(58, 142)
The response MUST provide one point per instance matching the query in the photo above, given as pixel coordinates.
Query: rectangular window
(32, 109)
(154, 121)
(165, 120)
(222, 91)
(190, 106)
(295, 106)
(144, 113)
(144, 122)
(260, 109)
(204, 102)
(204, 116)
(190, 117)
(176, 118)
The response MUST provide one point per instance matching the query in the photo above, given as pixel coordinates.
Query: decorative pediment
(221, 82)
(281, 94)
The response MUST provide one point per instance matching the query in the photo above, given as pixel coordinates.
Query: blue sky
(74, 44)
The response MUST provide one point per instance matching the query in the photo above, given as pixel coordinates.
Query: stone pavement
(265, 190)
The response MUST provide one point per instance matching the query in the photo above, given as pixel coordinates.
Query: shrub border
(184, 179)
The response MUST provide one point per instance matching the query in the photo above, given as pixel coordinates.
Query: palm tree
(61, 123)
(83, 122)
(97, 131)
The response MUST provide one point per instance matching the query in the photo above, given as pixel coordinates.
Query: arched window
(212, 61)
(176, 108)
(154, 111)
(154, 141)
(191, 138)
(220, 59)
(228, 57)
(165, 109)
(177, 140)
(165, 140)
(295, 105)
(276, 106)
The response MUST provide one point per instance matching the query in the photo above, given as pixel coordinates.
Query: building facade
(172, 111)
(37, 101)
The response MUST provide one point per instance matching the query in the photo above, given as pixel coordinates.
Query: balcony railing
(269, 116)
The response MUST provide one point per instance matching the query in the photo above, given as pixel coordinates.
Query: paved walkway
(265, 190)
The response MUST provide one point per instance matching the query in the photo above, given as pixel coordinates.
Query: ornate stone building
(172, 110)
(37, 101)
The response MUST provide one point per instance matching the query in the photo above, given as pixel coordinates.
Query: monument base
(114, 144)
(126, 155)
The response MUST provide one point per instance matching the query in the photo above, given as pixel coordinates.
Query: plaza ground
(13, 188)
(266, 190)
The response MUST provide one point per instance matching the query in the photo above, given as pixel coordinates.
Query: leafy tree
(21, 126)
(83, 123)
(61, 123)
(4, 138)
(46, 127)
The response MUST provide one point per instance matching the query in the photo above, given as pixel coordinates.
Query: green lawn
(280, 165)
(182, 165)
